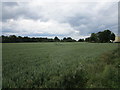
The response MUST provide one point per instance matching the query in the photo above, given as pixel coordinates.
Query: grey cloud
(9, 4)
(86, 18)
(12, 10)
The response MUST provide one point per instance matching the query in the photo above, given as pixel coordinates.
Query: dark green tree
(93, 37)
(105, 36)
(102, 37)
(112, 37)
(56, 39)
(64, 39)
(81, 40)
(87, 39)
(69, 39)
(13, 38)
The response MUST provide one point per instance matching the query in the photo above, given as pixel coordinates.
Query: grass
(46, 65)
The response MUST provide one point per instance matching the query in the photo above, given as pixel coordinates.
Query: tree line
(100, 37)
(14, 39)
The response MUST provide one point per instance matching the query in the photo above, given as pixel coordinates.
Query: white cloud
(29, 26)
(61, 18)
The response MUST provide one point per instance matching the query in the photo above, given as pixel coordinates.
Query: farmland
(51, 65)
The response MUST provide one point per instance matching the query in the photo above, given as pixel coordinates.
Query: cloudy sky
(63, 19)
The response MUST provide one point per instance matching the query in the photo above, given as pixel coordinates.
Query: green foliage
(68, 39)
(16, 39)
(108, 75)
(93, 37)
(112, 36)
(101, 37)
(76, 79)
(81, 40)
(47, 65)
(56, 39)
(87, 39)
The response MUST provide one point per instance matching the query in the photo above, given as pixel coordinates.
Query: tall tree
(64, 39)
(112, 37)
(87, 39)
(81, 40)
(102, 37)
(106, 35)
(93, 37)
(56, 39)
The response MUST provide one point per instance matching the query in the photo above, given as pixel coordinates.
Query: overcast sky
(62, 19)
